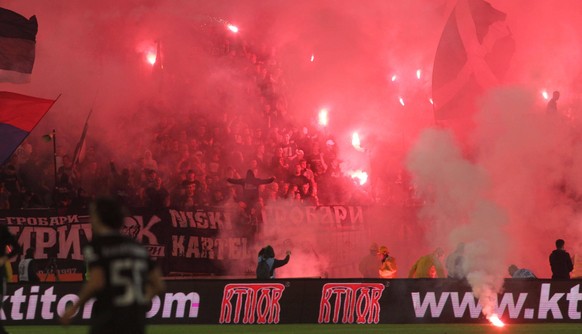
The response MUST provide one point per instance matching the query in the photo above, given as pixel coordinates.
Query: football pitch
(321, 329)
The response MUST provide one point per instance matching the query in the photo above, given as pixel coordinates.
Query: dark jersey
(120, 306)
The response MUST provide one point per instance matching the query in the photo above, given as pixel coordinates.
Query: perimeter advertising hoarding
(315, 301)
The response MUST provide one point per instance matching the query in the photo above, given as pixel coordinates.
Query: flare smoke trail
(458, 209)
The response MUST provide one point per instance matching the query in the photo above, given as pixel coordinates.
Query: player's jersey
(120, 305)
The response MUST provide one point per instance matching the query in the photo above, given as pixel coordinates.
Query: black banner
(316, 301)
(206, 241)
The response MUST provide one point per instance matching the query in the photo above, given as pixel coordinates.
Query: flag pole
(55, 189)
(79, 146)
(52, 261)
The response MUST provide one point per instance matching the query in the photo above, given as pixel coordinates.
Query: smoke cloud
(509, 198)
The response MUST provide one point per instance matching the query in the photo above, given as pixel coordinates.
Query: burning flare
(232, 28)
(323, 118)
(359, 175)
(495, 321)
(356, 142)
(151, 57)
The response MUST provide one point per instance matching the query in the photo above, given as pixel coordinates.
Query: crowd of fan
(185, 169)
(184, 160)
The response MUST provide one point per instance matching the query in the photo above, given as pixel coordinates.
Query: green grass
(321, 329)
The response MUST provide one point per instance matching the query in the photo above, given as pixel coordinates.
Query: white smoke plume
(458, 209)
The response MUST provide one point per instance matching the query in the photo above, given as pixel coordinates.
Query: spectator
(4, 197)
(516, 272)
(250, 186)
(149, 162)
(422, 267)
(8, 248)
(560, 262)
(455, 261)
(308, 196)
(12, 184)
(157, 196)
(297, 177)
(388, 267)
(552, 106)
(27, 271)
(370, 263)
(267, 255)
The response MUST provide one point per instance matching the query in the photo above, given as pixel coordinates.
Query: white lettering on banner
(70, 240)
(204, 220)
(142, 231)
(61, 271)
(20, 301)
(573, 297)
(32, 301)
(181, 301)
(155, 307)
(2, 314)
(47, 299)
(436, 308)
(549, 304)
(156, 250)
(45, 239)
(24, 303)
(434, 304)
(341, 217)
(468, 300)
(17, 299)
(209, 248)
(64, 302)
(437, 305)
(514, 309)
(43, 221)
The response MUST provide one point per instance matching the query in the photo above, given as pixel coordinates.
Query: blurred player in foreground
(122, 277)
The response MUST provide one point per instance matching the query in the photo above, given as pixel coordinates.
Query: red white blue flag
(19, 114)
